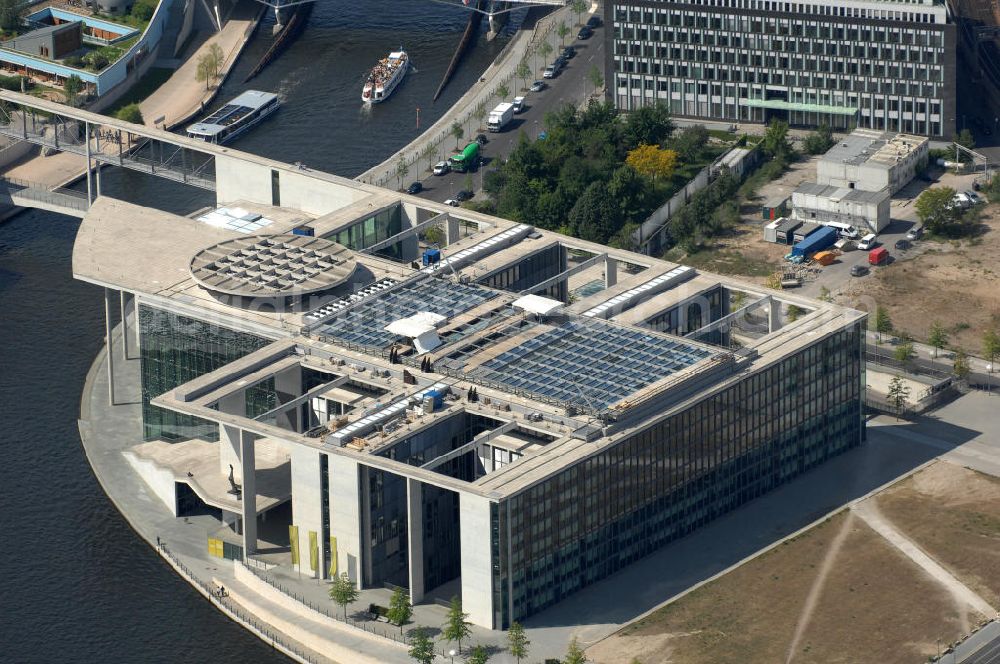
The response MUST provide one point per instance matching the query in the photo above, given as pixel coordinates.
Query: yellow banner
(313, 551)
(215, 547)
(333, 557)
(293, 538)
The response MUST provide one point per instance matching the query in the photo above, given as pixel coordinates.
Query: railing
(36, 191)
(263, 630)
(370, 626)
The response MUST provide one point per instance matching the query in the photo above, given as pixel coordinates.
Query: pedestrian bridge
(23, 193)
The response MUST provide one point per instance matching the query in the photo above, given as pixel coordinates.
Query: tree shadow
(430, 632)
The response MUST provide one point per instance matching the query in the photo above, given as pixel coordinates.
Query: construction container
(786, 231)
(821, 239)
(805, 230)
(824, 257)
(774, 208)
(771, 231)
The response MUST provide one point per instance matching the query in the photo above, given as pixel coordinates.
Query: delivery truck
(500, 117)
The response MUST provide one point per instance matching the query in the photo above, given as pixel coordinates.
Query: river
(77, 585)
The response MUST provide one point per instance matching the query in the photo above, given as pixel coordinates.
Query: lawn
(145, 86)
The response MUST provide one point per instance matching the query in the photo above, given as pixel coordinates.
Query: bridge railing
(35, 191)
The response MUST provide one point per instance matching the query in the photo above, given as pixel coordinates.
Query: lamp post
(452, 653)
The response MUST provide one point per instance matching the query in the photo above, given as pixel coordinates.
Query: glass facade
(532, 270)
(175, 349)
(372, 230)
(619, 505)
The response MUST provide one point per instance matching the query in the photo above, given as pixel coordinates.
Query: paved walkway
(55, 170)
(182, 96)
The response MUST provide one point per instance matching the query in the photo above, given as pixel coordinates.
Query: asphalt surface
(988, 654)
(569, 87)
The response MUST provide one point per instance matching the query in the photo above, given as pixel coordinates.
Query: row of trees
(594, 173)
(940, 215)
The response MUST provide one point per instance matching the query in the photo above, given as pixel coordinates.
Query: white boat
(384, 77)
(236, 117)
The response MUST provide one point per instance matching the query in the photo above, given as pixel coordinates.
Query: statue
(234, 488)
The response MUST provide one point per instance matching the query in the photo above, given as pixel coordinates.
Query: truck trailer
(500, 117)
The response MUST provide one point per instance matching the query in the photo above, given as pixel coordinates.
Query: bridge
(23, 193)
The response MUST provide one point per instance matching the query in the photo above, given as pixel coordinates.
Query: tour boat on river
(236, 117)
(384, 77)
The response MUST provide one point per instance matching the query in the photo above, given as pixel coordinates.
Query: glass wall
(175, 349)
(532, 270)
(371, 231)
(387, 550)
(615, 507)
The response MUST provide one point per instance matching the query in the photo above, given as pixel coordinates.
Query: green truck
(467, 159)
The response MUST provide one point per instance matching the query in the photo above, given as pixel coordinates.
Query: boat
(241, 113)
(384, 77)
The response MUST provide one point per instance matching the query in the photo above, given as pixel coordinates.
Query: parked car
(859, 270)
(518, 104)
(868, 242)
(902, 245)
(914, 233)
(481, 139)
(562, 61)
(569, 52)
(414, 188)
(973, 196)
(464, 195)
(452, 202)
(552, 70)
(594, 22)
(961, 200)
(585, 33)
(538, 86)
(442, 168)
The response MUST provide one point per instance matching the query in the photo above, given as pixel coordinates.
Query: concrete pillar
(452, 231)
(415, 533)
(288, 386)
(773, 315)
(477, 567)
(90, 195)
(138, 332)
(107, 340)
(248, 468)
(307, 507)
(610, 272)
(97, 176)
(229, 435)
(345, 514)
(124, 310)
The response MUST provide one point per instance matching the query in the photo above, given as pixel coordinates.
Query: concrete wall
(159, 480)
(861, 214)
(307, 506)
(477, 572)
(345, 514)
(237, 179)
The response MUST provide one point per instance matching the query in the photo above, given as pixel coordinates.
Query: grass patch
(723, 135)
(145, 86)
(722, 261)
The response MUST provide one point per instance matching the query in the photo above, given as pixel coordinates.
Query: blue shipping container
(818, 241)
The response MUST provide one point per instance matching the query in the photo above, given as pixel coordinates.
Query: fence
(370, 626)
(41, 193)
(249, 621)
(476, 104)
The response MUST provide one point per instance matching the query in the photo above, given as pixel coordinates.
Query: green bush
(143, 10)
(13, 83)
(74, 61)
(130, 113)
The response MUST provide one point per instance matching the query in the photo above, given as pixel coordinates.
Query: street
(569, 87)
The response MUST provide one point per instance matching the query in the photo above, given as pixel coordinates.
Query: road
(570, 87)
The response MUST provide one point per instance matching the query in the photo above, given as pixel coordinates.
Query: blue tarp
(816, 241)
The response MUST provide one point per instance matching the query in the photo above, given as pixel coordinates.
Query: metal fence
(42, 193)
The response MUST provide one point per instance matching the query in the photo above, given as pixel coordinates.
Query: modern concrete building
(888, 66)
(507, 416)
(868, 211)
(52, 41)
(873, 161)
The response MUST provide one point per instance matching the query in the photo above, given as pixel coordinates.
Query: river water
(76, 584)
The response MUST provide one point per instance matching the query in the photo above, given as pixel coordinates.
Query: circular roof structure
(272, 265)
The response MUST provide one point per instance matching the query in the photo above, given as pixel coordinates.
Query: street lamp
(452, 653)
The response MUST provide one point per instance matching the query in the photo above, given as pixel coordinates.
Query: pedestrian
(157, 542)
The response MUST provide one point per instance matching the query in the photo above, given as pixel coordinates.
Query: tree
(10, 14)
(775, 143)
(650, 124)
(898, 395)
(883, 325)
(402, 169)
(961, 367)
(545, 50)
(503, 91)
(689, 142)
(578, 7)
(457, 131)
(965, 139)
(594, 217)
(479, 655)
(457, 627)
(523, 72)
(202, 72)
(652, 161)
(343, 592)
(400, 609)
(794, 312)
(818, 141)
(209, 65)
(991, 347)
(517, 641)
(938, 337)
(73, 86)
(429, 152)
(421, 647)
(130, 113)
(595, 77)
(562, 31)
(824, 294)
(575, 655)
(904, 351)
(937, 210)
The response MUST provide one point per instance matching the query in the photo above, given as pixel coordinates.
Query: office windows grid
(619, 505)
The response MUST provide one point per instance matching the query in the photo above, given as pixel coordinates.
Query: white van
(518, 104)
(867, 243)
(844, 230)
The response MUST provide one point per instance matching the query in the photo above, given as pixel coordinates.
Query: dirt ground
(840, 592)
(864, 601)
(953, 514)
(955, 283)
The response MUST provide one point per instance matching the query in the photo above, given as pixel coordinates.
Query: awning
(783, 105)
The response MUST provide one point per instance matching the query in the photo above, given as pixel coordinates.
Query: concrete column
(121, 299)
(107, 340)
(97, 176)
(138, 332)
(307, 506)
(229, 436)
(248, 468)
(773, 315)
(86, 131)
(288, 386)
(415, 535)
(610, 272)
(345, 514)
(477, 564)
(452, 231)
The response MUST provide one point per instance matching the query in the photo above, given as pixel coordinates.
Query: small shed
(785, 233)
(805, 230)
(771, 231)
(774, 208)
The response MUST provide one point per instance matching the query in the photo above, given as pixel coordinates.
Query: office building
(888, 66)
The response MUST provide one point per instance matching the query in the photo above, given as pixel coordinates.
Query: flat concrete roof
(873, 148)
(841, 193)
